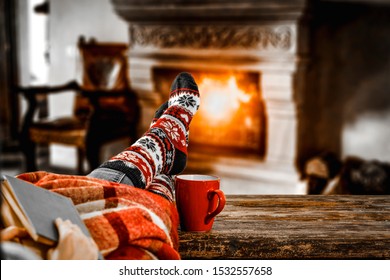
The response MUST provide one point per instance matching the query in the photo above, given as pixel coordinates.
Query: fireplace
(231, 118)
(248, 60)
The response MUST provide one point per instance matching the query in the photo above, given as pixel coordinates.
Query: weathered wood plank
(295, 227)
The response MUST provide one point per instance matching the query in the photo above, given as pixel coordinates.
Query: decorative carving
(212, 37)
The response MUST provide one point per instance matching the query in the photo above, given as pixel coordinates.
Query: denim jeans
(110, 175)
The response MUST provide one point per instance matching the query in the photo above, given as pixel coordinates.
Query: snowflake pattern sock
(163, 148)
(163, 185)
(159, 112)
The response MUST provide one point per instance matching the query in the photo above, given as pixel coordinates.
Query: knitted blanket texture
(125, 222)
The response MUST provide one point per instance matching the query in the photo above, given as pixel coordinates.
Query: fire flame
(221, 99)
(230, 113)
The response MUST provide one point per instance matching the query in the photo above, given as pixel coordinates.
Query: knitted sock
(163, 148)
(162, 184)
(159, 113)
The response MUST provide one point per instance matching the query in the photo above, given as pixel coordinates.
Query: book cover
(36, 209)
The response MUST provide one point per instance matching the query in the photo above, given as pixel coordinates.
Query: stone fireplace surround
(267, 37)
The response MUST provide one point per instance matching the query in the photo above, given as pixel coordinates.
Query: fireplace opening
(231, 117)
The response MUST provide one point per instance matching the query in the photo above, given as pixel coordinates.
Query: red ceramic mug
(198, 201)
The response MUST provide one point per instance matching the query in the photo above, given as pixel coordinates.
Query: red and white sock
(163, 185)
(163, 148)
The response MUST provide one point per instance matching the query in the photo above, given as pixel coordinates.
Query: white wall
(368, 137)
(23, 42)
(366, 134)
(67, 21)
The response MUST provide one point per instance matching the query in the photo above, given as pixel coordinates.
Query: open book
(36, 209)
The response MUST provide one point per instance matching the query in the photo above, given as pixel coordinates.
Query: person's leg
(111, 175)
(163, 148)
(163, 184)
(118, 176)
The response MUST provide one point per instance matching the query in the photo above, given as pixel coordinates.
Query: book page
(13, 211)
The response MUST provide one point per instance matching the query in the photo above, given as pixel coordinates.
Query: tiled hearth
(261, 39)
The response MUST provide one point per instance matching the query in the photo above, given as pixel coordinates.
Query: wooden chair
(105, 109)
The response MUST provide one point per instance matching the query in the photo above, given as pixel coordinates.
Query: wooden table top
(295, 227)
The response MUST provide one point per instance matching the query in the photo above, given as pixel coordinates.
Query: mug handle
(221, 204)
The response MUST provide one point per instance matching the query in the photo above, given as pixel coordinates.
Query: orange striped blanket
(125, 222)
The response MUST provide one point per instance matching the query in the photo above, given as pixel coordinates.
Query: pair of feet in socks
(162, 151)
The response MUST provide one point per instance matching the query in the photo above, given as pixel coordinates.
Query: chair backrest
(104, 66)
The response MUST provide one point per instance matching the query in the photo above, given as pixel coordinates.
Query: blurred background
(295, 94)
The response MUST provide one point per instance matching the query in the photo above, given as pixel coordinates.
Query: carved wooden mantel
(262, 36)
(222, 37)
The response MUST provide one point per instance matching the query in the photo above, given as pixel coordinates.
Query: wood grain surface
(295, 227)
